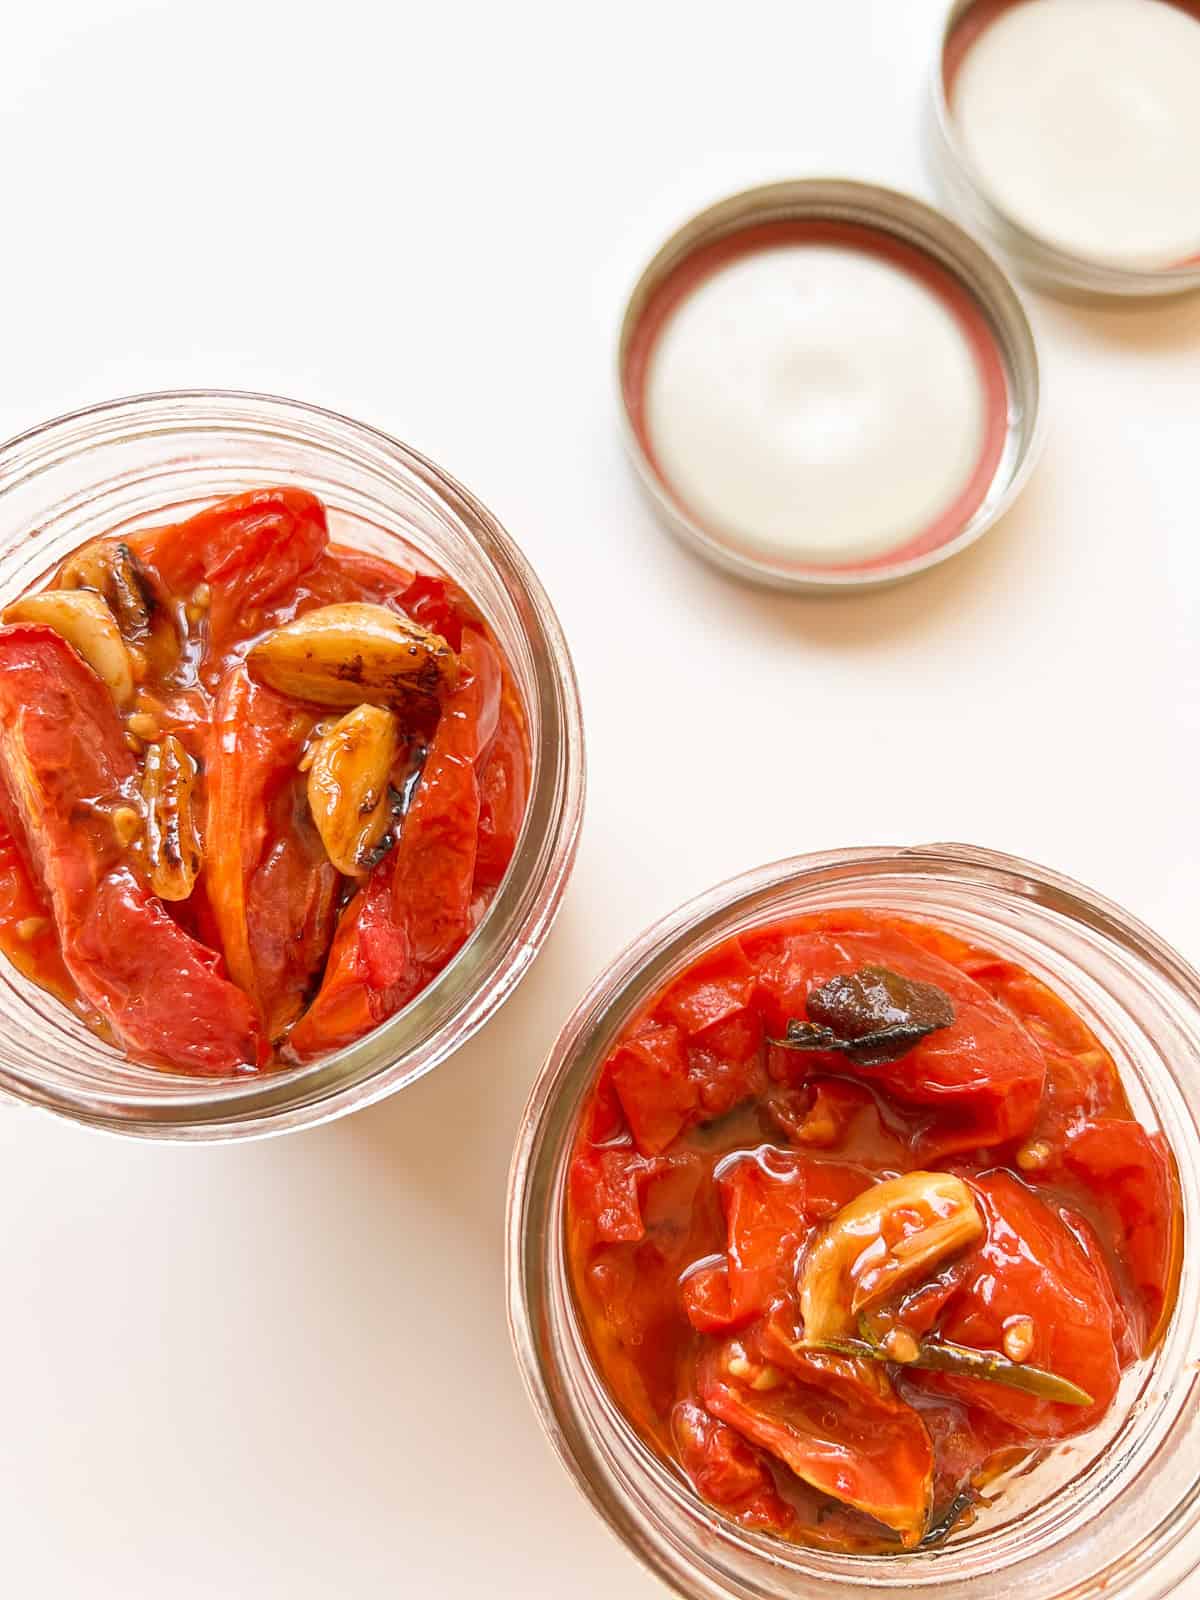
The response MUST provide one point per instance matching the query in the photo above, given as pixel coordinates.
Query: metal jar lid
(965, 191)
(899, 225)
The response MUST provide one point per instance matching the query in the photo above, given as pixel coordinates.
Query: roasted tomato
(835, 1422)
(250, 551)
(415, 911)
(271, 889)
(503, 793)
(858, 1220)
(1030, 1269)
(984, 1073)
(215, 729)
(68, 781)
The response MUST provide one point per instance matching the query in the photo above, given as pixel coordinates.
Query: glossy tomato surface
(163, 871)
(961, 1194)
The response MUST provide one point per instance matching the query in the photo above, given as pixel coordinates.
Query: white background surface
(282, 1369)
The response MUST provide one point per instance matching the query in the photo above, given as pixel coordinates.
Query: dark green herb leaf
(939, 1356)
(872, 1016)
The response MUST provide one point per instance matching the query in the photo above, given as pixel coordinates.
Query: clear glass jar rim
(453, 1006)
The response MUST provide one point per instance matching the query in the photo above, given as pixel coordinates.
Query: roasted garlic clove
(84, 620)
(893, 1235)
(348, 795)
(173, 850)
(111, 569)
(345, 655)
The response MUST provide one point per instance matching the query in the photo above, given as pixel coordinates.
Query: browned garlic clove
(111, 569)
(84, 620)
(348, 770)
(893, 1235)
(345, 655)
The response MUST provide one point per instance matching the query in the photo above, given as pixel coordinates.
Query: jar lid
(1066, 132)
(827, 385)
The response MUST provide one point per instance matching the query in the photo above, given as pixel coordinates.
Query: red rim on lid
(929, 251)
(1046, 261)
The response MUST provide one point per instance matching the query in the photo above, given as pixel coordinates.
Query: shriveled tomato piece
(291, 905)
(649, 1072)
(268, 881)
(415, 911)
(605, 1192)
(434, 865)
(836, 1422)
(835, 1114)
(250, 549)
(65, 768)
(983, 1074)
(712, 1005)
(773, 1199)
(706, 1297)
(699, 1054)
(726, 1471)
(1130, 1177)
(503, 792)
(343, 574)
(440, 605)
(718, 986)
(28, 936)
(1031, 1266)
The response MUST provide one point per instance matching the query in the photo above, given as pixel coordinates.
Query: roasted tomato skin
(503, 793)
(251, 550)
(65, 770)
(1031, 1265)
(271, 889)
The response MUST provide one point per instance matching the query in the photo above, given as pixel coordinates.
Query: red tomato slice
(433, 869)
(415, 912)
(773, 1200)
(983, 1074)
(251, 549)
(343, 574)
(706, 1298)
(649, 1072)
(609, 1190)
(28, 936)
(604, 1191)
(1081, 1076)
(268, 880)
(63, 765)
(1030, 1264)
(726, 1471)
(440, 605)
(503, 792)
(835, 1422)
(696, 1056)
(1130, 1176)
(718, 986)
(291, 907)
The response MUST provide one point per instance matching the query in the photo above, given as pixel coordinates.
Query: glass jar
(132, 462)
(1114, 1512)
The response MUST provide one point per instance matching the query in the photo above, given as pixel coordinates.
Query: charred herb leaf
(942, 1356)
(960, 1510)
(872, 1015)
